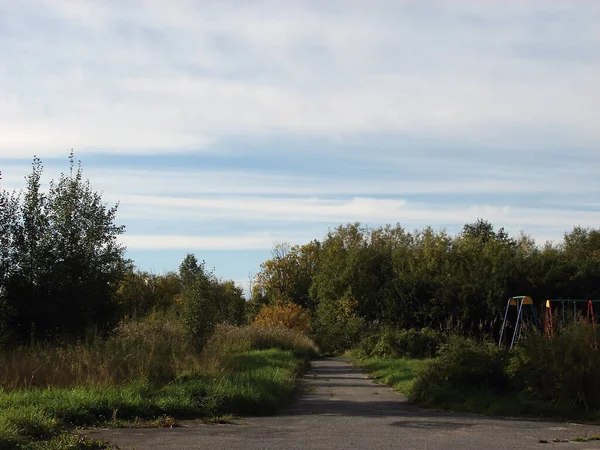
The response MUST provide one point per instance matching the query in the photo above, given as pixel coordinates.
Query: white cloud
(433, 114)
(148, 76)
(192, 243)
(396, 176)
(370, 210)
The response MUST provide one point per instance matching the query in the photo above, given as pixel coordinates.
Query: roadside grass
(399, 373)
(257, 382)
(487, 402)
(402, 375)
(241, 371)
(479, 377)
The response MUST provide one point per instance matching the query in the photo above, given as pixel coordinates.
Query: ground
(342, 408)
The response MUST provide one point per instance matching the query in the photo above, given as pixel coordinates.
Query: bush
(284, 315)
(207, 301)
(338, 327)
(562, 370)
(391, 342)
(228, 339)
(464, 366)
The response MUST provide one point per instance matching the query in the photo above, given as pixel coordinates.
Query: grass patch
(480, 377)
(403, 374)
(586, 438)
(241, 371)
(399, 373)
(256, 382)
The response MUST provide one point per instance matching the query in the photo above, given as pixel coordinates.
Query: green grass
(400, 373)
(487, 402)
(250, 383)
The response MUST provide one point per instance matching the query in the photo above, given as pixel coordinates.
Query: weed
(243, 371)
(586, 438)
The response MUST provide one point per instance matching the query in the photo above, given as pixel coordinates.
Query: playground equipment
(519, 302)
(590, 317)
(524, 304)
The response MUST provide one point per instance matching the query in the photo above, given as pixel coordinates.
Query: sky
(222, 127)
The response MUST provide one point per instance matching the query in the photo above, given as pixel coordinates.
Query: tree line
(64, 275)
(359, 278)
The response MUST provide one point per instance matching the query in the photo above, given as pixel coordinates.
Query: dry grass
(228, 339)
(150, 370)
(153, 349)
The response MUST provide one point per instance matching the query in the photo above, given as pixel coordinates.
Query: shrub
(228, 339)
(338, 327)
(391, 342)
(284, 315)
(464, 365)
(562, 370)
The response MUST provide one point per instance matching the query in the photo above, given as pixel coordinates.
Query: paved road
(342, 408)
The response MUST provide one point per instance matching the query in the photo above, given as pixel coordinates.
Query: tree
(9, 225)
(189, 269)
(286, 315)
(67, 262)
(206, 300)
(287, 276)
(141, 293)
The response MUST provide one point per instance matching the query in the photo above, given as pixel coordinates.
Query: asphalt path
(342, 408)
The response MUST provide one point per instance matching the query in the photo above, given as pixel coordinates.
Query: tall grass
(399, 343)
(148, 370)
(228, 339)
(156, 348)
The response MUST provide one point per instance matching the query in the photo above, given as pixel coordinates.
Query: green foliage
(208, 301)
(395, 343)
(287, 276)
(400, 373)
(61, 259)
(425, 278)
(9, 226)
(562, 371)
(550, 377)
(141, 293)
(337, 326)
(464, 365)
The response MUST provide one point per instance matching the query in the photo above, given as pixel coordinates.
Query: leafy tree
(189, 269)
(141, 293)
(207, 301)
(9, 226)
(287, 315)
(231, 303)
(66, 262)
(287, 276)
(427, 278)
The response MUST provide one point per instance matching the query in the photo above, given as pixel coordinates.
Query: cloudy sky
(222, 127)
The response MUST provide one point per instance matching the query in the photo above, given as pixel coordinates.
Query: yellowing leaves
(287, 315)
